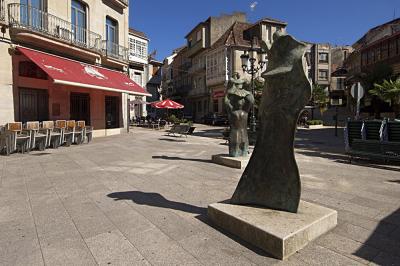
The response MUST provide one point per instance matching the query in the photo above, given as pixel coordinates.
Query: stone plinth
(233, 162)
(279, 233)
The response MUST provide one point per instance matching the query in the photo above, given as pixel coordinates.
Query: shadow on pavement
(174, 158)
(172, 140)
(156, 200)
(384, 243)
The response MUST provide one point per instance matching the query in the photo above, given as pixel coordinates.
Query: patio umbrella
(167, 104)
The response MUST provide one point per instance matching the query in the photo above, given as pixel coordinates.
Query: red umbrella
(167, 104)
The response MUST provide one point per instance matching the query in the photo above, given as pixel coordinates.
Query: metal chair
(53, 134)
(88, 130)
(20, 138)
(6, 143)
(77, 132)
(66, 134)
(37, 135)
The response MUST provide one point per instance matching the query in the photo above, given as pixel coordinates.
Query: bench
(374, 143)
(181, 130)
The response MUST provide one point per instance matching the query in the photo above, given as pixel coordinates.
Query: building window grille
(323, 57)
(323, 74)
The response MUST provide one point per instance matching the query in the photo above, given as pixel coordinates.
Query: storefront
(218, 95)
(49, 87)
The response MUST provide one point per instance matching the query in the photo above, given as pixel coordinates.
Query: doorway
(33, 105)
(80, 107)
(112, 112)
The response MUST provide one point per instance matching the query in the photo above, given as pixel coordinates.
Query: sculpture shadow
(157, 200)
(175, 158)
(383, 240)
(172, 140)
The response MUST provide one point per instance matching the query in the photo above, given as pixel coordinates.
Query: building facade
(223, 58)
(380, 46)
(138, 68)
(66, 60)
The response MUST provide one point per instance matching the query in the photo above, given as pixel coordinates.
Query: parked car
(215, 119)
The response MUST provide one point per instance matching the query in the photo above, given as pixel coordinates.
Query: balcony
(115, 51)
(117, 3)
(29, 19)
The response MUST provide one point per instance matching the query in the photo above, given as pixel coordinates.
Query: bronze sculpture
(238, 102)
(271, 178)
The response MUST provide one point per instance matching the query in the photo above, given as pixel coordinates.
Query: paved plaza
(141, 199)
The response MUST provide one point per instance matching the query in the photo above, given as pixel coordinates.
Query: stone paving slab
(57, 208)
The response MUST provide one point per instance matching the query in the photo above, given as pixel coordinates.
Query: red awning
(74, 73)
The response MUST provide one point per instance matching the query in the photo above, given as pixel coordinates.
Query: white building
(138, 67)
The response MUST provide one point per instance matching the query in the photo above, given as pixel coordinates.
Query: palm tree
(388, 91)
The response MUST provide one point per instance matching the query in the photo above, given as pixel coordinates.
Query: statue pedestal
(279, 233)
(233, 162)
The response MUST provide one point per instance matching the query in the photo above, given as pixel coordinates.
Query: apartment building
(66, 59)
(319, 58)
(223, 58)
(138, 68)
(199, 40)
(380, 45)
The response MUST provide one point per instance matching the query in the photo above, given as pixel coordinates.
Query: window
(215, 106)
(378, 54)
(198, 35)
(78, 21)
(392, 48)
(323, 74)
(385, 50)
(205, 106)
(137, 78)
(112, 36)
(199, 106)
(31, 13)
(111, 30)
(323, 57)
(31, 70)
(141, 49)
(190, 43)
(364, 58)
(398, 45)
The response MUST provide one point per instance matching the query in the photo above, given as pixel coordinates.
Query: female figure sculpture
(238, 102)
(271, 178)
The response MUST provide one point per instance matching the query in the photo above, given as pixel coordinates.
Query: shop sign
(218, 94)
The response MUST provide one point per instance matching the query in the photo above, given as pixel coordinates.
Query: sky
(338, 22)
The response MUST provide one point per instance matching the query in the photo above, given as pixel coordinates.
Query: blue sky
(166, 22)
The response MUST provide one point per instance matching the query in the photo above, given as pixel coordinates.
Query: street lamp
(249, 66)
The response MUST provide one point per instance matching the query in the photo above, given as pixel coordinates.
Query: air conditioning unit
(63, 33)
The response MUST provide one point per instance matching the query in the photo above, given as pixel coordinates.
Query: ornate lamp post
(249, 59)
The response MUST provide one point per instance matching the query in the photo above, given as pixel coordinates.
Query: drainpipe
(128, 120)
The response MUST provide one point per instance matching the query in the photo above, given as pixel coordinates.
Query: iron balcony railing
(114, 50)
(2, 10)
(36, 20)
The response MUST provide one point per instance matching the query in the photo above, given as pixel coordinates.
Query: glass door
(33, 14)
(112, 36)
(78, 21)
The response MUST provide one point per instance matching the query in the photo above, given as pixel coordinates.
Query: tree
(320, 97)
(388, 91)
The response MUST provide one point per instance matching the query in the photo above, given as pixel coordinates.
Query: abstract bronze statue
(271, 178)
(238, 102)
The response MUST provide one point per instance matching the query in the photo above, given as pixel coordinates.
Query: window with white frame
(137, 48)
(216, 64)
(137, 78)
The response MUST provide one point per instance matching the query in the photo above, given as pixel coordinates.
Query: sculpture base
(279, 233)
(233, 162)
